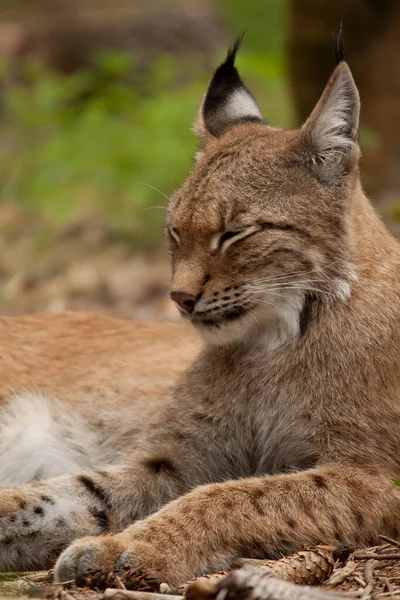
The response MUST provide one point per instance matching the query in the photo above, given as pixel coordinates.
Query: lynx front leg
(38, 520)
(210, 526)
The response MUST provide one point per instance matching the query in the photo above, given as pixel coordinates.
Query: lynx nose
(185, 301)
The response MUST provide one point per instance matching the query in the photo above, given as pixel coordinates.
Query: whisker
(283, 284)
(317, 268)
(286, 276)
(151, 207)
(301, 288)
(157, 190)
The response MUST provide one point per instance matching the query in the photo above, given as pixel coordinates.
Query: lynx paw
(110, 552)
(88, 554)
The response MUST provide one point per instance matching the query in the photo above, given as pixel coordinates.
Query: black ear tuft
(231, 55)
(224, 82)
(227, 100)
(338, 45)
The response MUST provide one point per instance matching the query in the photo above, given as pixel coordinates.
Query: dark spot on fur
(26, 523)
(291, 523)
(61, 522)
(215, 293)
(307, 314)
(47, 499)
(226, 297)
(206, 279)
(228, 504)
(319, 481)
(13, 518)
(95, 489)
(395, 532)
(359, 519)
(384, 524)
(21, 503)
(101, 518)
(38, 510)
(7, 541)
(160, 464)
(256, 500)
(227, 289)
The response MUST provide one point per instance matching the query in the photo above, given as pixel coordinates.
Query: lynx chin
(281, 429)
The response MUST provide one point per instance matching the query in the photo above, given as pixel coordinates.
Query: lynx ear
(332, 127)
(227, 100)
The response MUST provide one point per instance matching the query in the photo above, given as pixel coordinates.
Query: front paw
(145, 561)
(88, 554)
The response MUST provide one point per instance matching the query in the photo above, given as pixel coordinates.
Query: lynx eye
(227, 236)
(174, 235)
(231, 237)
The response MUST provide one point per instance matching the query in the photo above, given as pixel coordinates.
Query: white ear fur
(227, 101)
(241, 105)
(332, 127)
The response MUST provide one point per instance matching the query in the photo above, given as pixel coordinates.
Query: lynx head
(259, 233)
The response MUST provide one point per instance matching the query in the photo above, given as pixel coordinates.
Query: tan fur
(286, 429)
(75, 357)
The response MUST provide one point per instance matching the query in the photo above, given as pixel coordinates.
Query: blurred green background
(97, 98)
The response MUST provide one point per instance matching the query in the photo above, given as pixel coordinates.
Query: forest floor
(83, 266)
(315, 573)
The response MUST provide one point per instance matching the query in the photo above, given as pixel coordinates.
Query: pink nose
(185, 301)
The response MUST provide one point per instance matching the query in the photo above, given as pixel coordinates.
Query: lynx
(285, 429)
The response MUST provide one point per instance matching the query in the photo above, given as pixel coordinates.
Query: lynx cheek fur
(285, 430)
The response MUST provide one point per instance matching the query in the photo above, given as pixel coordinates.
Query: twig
(389, 540)
(120, 583)
(252, 583)
(367, 592)
(358, 579)
(204, 585)
(341, 574)
(389, 587)
(132, 595)
(369, 571)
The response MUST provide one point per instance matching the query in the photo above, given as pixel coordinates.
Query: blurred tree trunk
(64, 34)
(371, 33)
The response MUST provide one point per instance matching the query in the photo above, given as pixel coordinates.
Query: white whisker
(157, 190)
(151, 207)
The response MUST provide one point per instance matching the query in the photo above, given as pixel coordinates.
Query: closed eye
(227, 236)
(231, 237)
(174, 235)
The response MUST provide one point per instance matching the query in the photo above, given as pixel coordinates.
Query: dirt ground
(315, 573)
